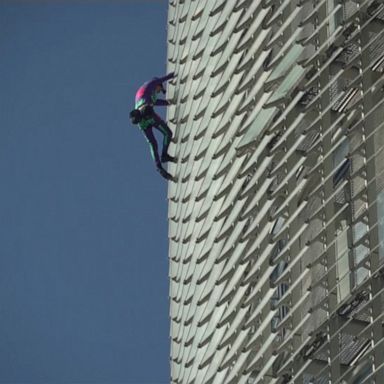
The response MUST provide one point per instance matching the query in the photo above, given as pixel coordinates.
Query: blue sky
(83, 213)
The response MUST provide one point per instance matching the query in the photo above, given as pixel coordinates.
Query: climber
(145, 116)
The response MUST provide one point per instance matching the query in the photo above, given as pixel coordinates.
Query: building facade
(276, 218)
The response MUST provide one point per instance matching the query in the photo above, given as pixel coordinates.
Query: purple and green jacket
(147, 94)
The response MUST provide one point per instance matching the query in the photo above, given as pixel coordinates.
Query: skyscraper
(276, 218)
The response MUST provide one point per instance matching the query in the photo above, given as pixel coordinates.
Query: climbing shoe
(165, 158)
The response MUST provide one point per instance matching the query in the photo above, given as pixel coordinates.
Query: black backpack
(135, 116)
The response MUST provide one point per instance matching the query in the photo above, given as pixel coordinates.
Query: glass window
(380, 215)
(342, 254)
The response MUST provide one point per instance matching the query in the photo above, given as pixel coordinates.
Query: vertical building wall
(275, 220)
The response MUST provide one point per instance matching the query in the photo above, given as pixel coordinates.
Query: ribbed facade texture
(276, 218)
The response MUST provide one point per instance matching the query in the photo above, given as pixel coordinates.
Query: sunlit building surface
(276, 220)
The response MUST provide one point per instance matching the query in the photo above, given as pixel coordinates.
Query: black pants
(147, 125)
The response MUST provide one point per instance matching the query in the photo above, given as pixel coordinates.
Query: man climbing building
(145, 116)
